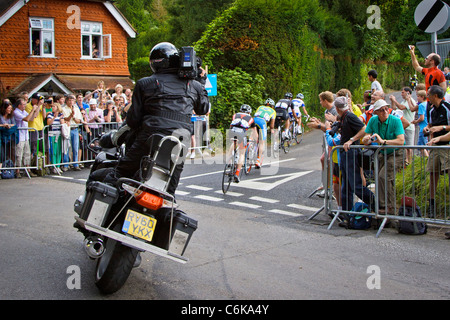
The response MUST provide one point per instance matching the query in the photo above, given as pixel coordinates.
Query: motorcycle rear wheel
(114, 266)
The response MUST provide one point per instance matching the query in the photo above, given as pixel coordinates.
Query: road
(245, 248)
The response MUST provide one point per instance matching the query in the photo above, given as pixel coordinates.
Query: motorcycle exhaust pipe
(94, 247)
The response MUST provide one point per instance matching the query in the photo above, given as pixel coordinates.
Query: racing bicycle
(297, 134)
(251, 155)
(230, 166)
(283, 141)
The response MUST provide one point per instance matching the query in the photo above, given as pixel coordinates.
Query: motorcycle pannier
(182, 229)
(98, 202)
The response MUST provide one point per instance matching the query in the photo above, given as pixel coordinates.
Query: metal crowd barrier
(51, 146)
(54, 139)
(201, 138)
(411, 180)
(9, 147)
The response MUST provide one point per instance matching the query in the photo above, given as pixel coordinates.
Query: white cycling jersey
(298, 103)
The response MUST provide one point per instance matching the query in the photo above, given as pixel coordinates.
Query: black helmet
(288, 95)
(164, 56)
(246, 108)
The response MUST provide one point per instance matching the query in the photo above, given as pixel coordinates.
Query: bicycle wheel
(228, 174)
(250, 156)
(286, 144)
(247, 161)
(276, 145)
(298, 135)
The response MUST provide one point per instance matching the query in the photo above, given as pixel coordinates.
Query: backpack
(408, 227)
(359, 222)
(8, 174)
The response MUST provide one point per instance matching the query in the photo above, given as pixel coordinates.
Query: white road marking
(299, 206)
(231, 193)
(243, 204)
(267, 200)
(266, 186)
(203, 197)
(286, 213)
(63, 177)
(221, 171)
(193, 186)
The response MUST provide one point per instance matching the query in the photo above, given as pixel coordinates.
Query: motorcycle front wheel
(114, 266)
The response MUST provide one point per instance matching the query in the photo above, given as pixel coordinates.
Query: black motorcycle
(134, 215)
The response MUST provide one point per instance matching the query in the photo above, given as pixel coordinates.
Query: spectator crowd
(383, 119)
(57, 128)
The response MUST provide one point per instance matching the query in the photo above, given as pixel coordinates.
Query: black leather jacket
(165, 101)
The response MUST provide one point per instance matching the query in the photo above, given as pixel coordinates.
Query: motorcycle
(135, 215)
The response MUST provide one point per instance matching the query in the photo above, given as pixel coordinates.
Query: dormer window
(42, 37)
(94, 44)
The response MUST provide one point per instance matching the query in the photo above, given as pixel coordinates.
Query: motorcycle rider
(162, 103)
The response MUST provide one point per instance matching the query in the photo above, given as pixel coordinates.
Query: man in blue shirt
(80, 103)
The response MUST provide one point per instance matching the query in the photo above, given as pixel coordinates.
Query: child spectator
(422, 120)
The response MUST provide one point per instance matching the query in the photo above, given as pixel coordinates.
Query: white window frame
(94, 31)
(40, 25)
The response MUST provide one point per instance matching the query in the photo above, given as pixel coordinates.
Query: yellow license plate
(139, 225)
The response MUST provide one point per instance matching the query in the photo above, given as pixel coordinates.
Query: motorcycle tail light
(149, 200)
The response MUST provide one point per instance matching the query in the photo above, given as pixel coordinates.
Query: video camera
(189, 63)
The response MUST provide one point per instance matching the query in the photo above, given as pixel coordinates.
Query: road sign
(211, 84)
(447, 25)
(431, 15)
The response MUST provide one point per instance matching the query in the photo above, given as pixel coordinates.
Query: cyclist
(283, 107)
(263, 115)
(242, 121)
(298, 103)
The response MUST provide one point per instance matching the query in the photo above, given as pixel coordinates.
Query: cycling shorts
(297, 113)
(262, 125)
(282, 114)
(240, 134)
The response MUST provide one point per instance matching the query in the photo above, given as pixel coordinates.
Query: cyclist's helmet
(246, 108)
(270, 102)
(288, 95)
(300, 96)
(164, 57)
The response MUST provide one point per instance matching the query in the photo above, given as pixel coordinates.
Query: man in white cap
(386, 129)
(95, 118)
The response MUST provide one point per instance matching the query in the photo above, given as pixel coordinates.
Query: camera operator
(162, 103)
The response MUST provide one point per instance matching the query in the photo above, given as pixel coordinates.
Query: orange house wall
(16, 62)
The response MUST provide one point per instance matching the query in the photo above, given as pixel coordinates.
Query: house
(62, 46)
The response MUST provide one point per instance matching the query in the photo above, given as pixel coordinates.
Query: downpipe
(94, 246)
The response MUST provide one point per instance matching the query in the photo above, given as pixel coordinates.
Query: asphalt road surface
(254, 243)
